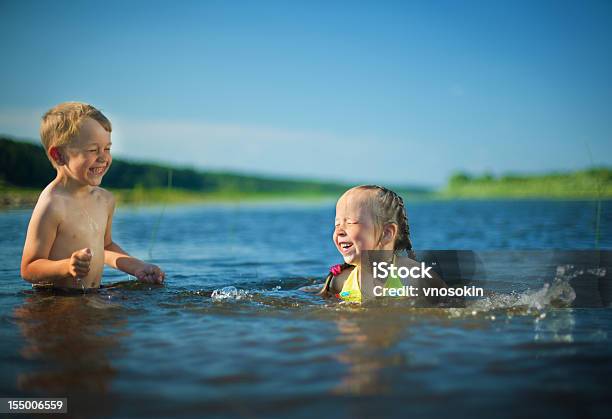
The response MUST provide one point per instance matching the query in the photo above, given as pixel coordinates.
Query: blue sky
(387, 92)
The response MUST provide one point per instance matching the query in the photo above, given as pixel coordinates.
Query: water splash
(559, 293)
(229, 293)
(555, 294)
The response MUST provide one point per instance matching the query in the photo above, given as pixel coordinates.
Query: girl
(367, 218)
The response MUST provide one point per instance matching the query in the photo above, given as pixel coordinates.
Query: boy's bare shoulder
(103, 192)
(104, 196)
(51, 203)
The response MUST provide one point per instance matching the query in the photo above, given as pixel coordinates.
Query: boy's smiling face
(88, 155)
(355, 231)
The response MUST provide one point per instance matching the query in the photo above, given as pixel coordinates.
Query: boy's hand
(150, 273)
(79, 263)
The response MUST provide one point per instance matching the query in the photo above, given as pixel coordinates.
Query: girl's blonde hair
(388, 207)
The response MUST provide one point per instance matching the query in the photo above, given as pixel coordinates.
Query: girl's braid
(402, 241)
(392, 210)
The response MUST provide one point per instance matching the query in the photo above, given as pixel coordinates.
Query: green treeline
(25, 170)
(594, 183)
(25, 165)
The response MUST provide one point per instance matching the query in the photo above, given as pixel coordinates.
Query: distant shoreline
(26, 198)
(16, 198)
(589, 184)
(25, 170)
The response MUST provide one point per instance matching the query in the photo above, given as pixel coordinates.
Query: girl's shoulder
(336, 278)
(344, 273)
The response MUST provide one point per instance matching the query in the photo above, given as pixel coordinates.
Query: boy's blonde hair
(62, 123)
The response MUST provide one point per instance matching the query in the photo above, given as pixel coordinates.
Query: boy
(69, 236)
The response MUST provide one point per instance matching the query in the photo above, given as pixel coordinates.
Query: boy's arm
(118, 258)
(36, 267)
(114, 255)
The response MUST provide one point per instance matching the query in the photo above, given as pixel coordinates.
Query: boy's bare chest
(84, 221)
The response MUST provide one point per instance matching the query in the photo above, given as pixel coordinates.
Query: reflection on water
(71, 339)
(555, 326)
(365, 354)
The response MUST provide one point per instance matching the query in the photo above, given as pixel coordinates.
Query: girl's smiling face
(355, 230)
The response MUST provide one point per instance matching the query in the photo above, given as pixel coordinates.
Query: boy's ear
(56, 155)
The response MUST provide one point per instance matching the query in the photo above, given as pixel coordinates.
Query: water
(234, 333)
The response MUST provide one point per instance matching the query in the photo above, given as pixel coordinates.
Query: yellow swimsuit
(351, 290)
